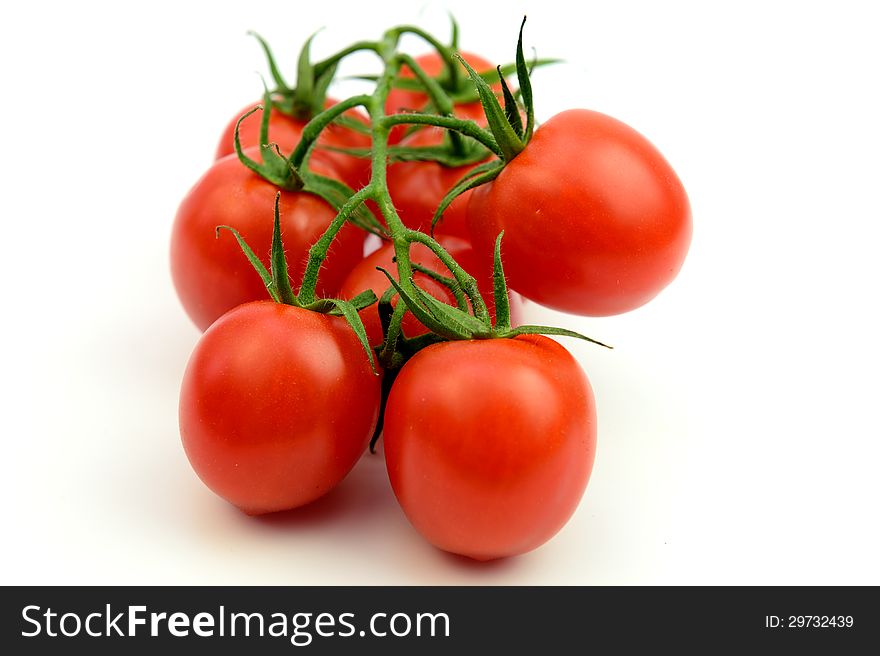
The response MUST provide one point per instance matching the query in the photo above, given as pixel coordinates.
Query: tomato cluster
(311, 348)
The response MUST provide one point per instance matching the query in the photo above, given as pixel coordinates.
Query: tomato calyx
(307, 97)
(456, 323)
(292, 173)
(277, 282)
(274, 167)
(505, 124)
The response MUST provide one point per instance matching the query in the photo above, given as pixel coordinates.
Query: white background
(738, 440)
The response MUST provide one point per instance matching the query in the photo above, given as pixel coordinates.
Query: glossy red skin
(490, 444)
(212, 274)
(365, 276)
(286, 131)
(404, 100)
(417, 188)
(255, 401)
(595, 220)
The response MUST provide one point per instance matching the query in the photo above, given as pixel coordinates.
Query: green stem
(467, 281)
(462, 126)
(449, 283)
(378, 182)
(313, 128)
(437, 96)
(392, 336)
(319, 250)
(322, 66)
(446, 53)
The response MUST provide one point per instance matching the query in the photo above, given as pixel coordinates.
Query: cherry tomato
(286, 131)
(490, 443)
(417, 188)
(595, 220)
(405, 100)
(277, 405)
(365, 276)
(212, 275)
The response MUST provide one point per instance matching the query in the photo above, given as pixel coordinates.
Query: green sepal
(511, 109)
(348, 310)
(280, 84)
(364, 300)
(441, 154)
(259, 267)
(275, 168)
(422, 314)
(385, 308)
(350, 314)
(525, 85)
(475, 177)
(322, 85)
(509, 142)
(450, 283)
(412, 345)
(460, 96)
(303, 100)
(453, 40)
(326, 305)
(354, 125)
(549, 330)
(280, 279)
(336, 194)
(499, 283)
(459, 321)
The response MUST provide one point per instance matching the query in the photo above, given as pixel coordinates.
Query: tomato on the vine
(490, 443)
(277, 405)
(595, 220)
(409, 100)
(417, 187)
(365, 276)
(286, 131)
(212, 275)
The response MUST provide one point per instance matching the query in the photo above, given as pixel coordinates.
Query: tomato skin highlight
(365, 276)
(212, 275)
(256, 403)
(595, 220)
(286, 132)
(490, 443)
(406, 100)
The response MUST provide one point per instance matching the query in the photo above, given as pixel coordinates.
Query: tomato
(595, 220)
(490, 443)
(417, 188)
(286, 131)
(365, 276)
(212, 275)
(405, 100)
(277, 405)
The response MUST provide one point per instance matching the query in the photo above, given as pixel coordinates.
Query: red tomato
(404, 100)
(277, 405)
(212, 275)
(286, 131)
(490, 443)
(595, 220)
(365, 276)
(418, 187)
